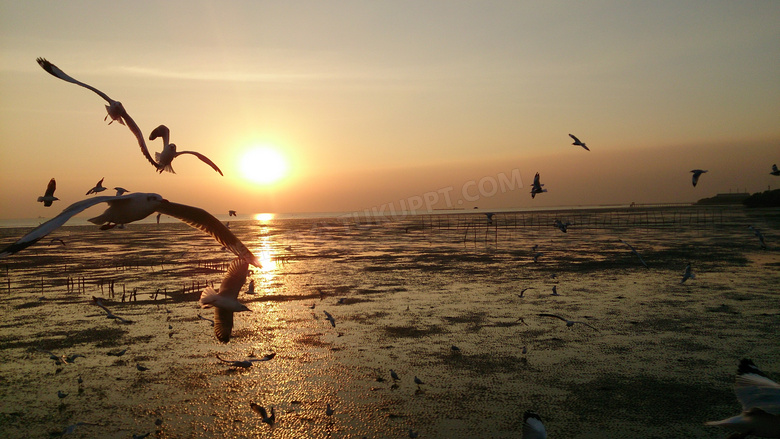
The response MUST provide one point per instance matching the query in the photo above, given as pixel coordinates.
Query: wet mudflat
(659, 363)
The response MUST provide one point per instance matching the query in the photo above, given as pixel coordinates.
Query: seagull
(236, 363)
(635, 252)
(165, 159)
(98, 187)
(328, 410)
(489, 217)
(330, 318)
(231, 213)
(522, 292)
(260, 410)
(537, 256)
(696, 174)
(394, 375)
(687, 275)
(759, 235)
(120, 190)
(61, 394)
(418, 381)
(533, 427)
(133, 207)
(569, 323)
(536, 188)
(577, 142)
(48, 196)
(760, 400)
(775, 171)
(115, 109)
(251, 288)
(141, 368)
(555, 290)
(53, 240)
(561, 225)
(226, 301)
(109, 315)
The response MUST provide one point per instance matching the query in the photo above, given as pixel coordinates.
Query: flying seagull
(759, 235)
(563, 227)
(330, 318)
(133, 207)
(688, 274)
(48, 196)
(760, 400)
(165, 158)
(533, 427)
(260, 410)
(231, 213)
(98, 187)
(775, 171)
(569, 323)
(226, 301)
(636, 253)
(115, 109)
(696, 174)
(109, 315)
(120, 190)
(577, 142)
(536, 188)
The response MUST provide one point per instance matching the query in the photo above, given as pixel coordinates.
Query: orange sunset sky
(366, 103)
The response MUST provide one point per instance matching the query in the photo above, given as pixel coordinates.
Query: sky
(368, 104)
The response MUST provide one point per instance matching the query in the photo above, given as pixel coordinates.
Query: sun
(263, 165)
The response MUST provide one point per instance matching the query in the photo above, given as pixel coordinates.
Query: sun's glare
(263, 165)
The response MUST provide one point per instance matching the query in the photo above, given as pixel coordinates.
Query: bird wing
(56, 71)
(536, 180)
(140, 137)
(203, 158)
(161, 131)
(575, 138)
(756, 391)
(533, 427)
(53, 224)
(695, 178)
(234, 278)
(586, 148)
(50, 188)
(553, 315)
(204, 221)
(223, 324)
(587, 324)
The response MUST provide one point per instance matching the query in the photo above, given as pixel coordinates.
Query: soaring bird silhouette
(569, 323)
(577, 142)
(696, 174)
(536, 188)
(114, 108)
(775, 171)
(165, 158)
(98, 187)
(48, 196)
(226, 301)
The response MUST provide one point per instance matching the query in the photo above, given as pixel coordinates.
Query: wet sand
(661, 362)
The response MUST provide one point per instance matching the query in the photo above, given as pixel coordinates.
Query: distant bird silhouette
(98, 187)
(48, 196)
(522, 292)
(533, 428)
(260, 410)
(536, 188)
(760, 400)
(120, 190)
(225, 301)
(563, 227)
(330, 318)
(109, 315)
(569, 323)
(537, 256)
(489, 217)
(329, 410)
(169, 152)
(141, 368)
(759, 235)
(696, 174)
(231, 213)
(555, 290)
(394, 375)
(775, 171)
(114, 108)
(688, 274)
(577, 142)
(635, 252)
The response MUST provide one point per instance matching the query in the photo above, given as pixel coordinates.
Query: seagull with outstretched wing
(114, 108)
(48, 196)
(536, 188)
(225, 302)
(696, 174)
(165, 158)
(577, 142)
(134, 207)
(569, 323)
